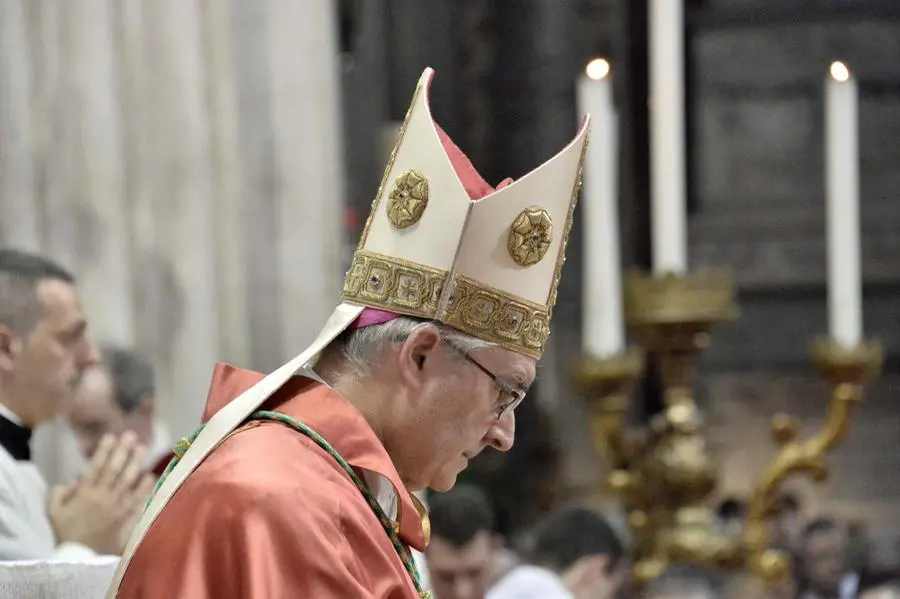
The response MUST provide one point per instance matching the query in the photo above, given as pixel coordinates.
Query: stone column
(230, 210)
(309, 174)
(19, 221)
(181, 263)
(259, 181)
(95, 205)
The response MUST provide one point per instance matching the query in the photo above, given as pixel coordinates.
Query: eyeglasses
(516, 395)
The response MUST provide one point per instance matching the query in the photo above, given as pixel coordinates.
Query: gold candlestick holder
(607, 384)
(665, 474)
(847, 369)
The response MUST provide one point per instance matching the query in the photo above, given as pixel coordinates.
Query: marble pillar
(229, 208)
(309, 192)
(19, 219)
(183, 254)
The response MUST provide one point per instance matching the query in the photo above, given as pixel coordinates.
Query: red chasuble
(271, 514)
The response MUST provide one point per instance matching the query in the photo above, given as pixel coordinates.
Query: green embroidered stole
(402, 551)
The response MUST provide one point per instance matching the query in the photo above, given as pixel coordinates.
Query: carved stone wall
(756, 82)
(759, 174)
(758, 182)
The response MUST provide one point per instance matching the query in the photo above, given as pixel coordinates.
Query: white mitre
(441, 244)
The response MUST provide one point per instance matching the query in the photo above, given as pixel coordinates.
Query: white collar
(849, 585)
(10, 415)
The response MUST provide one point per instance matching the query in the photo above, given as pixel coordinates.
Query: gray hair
(363, 348)
(20, 273)
(131, 375)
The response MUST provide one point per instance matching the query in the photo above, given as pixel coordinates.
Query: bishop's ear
(417, 353)
(9, 348)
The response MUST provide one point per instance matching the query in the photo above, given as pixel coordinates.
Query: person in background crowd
(731, 516)
(746, 585)
(823, 560)
(859, 548)
(44, 349)
(687, 582)
(505, 559)
(116, 396)
(890, 590)
(788, 522)
(574, 554)
(460, 553)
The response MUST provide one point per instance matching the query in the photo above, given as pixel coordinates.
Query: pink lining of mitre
(476, 187)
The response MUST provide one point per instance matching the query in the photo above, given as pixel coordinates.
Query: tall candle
(667, 141)
(842, 192)
(603, 326)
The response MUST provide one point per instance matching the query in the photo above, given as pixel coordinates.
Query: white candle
(667, 141)
(842, 191)
(603, 326)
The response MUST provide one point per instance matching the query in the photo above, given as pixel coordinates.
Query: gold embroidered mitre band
(440, 243)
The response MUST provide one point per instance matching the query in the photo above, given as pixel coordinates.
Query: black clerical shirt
(15, 439)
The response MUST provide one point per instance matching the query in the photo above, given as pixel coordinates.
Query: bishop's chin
(445, 479)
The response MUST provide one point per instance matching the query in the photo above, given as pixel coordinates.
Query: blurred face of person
(750, 587)
(882, 593)
(825, 559)
(43, 367)
(461, 572)
(449, 406)
(95, 413)
(788, 525)
(786, 590)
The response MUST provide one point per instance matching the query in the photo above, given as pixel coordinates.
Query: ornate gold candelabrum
(847, 369)
(665, 474)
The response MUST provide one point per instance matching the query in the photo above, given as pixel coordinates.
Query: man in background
(461, 552)
(574, 554)
(731, 516)
(687, 582)
(788, 522)
(890, 590)
(823, 555)
(44, 350)
(116, 396)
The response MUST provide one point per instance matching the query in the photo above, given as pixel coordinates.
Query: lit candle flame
(839, 71)
(597, 69)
